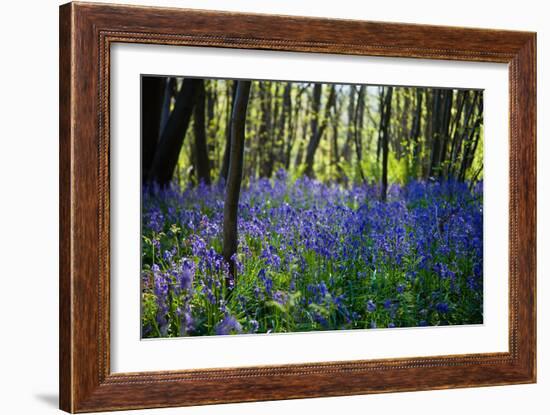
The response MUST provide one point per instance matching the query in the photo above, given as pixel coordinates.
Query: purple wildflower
(228, 325)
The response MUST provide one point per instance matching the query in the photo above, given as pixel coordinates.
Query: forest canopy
(333, 132)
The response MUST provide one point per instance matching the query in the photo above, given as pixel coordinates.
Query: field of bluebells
(312, 256)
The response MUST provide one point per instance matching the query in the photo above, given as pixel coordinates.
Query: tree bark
(265, 132)
(416, 126)
(199, 128)
(357, 130)
(233, 186)
(317, 129)
(293, 123)
(448, 96)
(212, 124)
(304, 134)
(404, 131)
(230, 102)
(454, 133)
(285, 125)
(346, 152)
(435, 137)
(336, 114)
(441, 116)
(167, 154)
(152, 94)
(473, 137)
(384, 129)
(169, 93)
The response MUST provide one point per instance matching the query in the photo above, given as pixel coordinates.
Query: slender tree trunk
(441, 118)
(414, 135)
(167, 154)
(381, 105)
(227, 150)
(265, 131)
(404, 130)
(448, 95)
(454, 133)
(464, 144)
(473, 138)
(199, 128)
(395, 137)
(346, 152)
(336, 115)
(234, 178)
(317, 129)
(314, 126)
(293, 123)
(212, 121)
(275, 113)
(304, 133)
(285, 125)
(169, 93)
(425, 145)
(357, 130)
(436, 132)
(152, 90)
(384, 126)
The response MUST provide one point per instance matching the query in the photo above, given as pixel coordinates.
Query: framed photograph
(258, 207)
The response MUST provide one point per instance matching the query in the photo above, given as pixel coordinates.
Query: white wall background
(29, 206)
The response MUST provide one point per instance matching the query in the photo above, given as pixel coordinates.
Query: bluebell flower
(442, 308)
(280, 297)
(371, 306)
(228, 325)
(186, 274)
(254, 326)
(328, 245)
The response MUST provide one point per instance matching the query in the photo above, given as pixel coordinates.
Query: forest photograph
(294, 206)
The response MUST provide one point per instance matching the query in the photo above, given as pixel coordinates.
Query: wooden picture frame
(86, 33)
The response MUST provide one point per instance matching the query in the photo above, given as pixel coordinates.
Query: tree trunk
(170, 91)
(199, 128)
(293, 123)
(384, 128)
(314, 126)
(346, 152)
(265, 132)
(358, 129)
(441, 116)
(234, 178)
(381, 106)
(317, 129)
(462, 144)
(152, 90)
(405, 114)
(167, 154)
(212, 124)
(303, 136)
(473, 138)
(445, 134)
(436, 132)
(230, 101)
(336, 113)
(285, 125)
(454, 133)
(425, 145)
(414, 135)
(275, 113)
